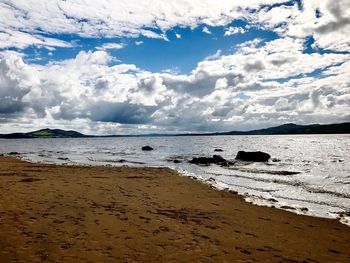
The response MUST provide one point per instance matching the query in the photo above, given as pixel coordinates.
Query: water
(320, 186)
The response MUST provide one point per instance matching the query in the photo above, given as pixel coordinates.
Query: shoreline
(252, 199)
(52, 212)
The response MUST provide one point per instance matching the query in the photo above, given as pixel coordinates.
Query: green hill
(45, 133)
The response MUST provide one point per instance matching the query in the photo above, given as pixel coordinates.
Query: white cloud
(215, 56)
(234, 30)
(20, 40)
(206, 30)
(138, 43)
(22, 21)
(329, 29)
(108, 46)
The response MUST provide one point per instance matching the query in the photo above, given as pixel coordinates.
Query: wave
(295, 183)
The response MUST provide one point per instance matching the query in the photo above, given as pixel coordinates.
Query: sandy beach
(51, 213)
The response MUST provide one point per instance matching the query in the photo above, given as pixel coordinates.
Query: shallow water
(321, 186)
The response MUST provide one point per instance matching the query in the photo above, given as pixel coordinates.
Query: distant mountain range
(290, 128)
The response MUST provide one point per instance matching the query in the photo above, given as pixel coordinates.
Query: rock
(147, 148)
(253, 156)
(13, 153)
(275, 160)
(287, 207)
(211, 179)
(216, 159)
(176, 161)
(202, 160)
(218, 150)
(63, 158)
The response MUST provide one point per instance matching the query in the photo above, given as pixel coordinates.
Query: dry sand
(52, 213)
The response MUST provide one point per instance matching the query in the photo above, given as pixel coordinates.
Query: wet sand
(51, 213)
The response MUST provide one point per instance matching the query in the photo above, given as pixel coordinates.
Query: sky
(137, 67)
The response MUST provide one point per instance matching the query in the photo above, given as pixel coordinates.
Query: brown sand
(99, 214)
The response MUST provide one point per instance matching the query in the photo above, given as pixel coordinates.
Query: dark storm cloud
(104, 111)
(124, 112)
(10, 105)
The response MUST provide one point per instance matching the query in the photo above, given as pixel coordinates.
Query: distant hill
(290, 128)
(44, 133)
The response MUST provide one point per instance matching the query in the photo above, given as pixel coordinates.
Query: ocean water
(320, 185)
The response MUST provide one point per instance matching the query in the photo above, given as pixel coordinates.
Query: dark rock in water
(275, 160)
(218, 150)
(202, 160)
(147, 148)
(287, 207)
(285, 172)
(174, 160)
(13, 153)
(216, 159)
(253, 156)
(272, 200)
(304, 209)
(211, 179)
(63, 158)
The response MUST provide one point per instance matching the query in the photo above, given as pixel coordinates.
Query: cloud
(26, 22)
(326, 21)
(18, 86)
(215, 56)
(206, 30)
(108, 46)
(17, 39)
(234, 30)
(263, 82)
(138, 43)
(230, 92)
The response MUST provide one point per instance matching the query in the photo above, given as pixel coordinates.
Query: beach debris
(253, 156)
(147, 148)
(218, 150)
(216, 159)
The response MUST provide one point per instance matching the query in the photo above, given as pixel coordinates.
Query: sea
(307, 174)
